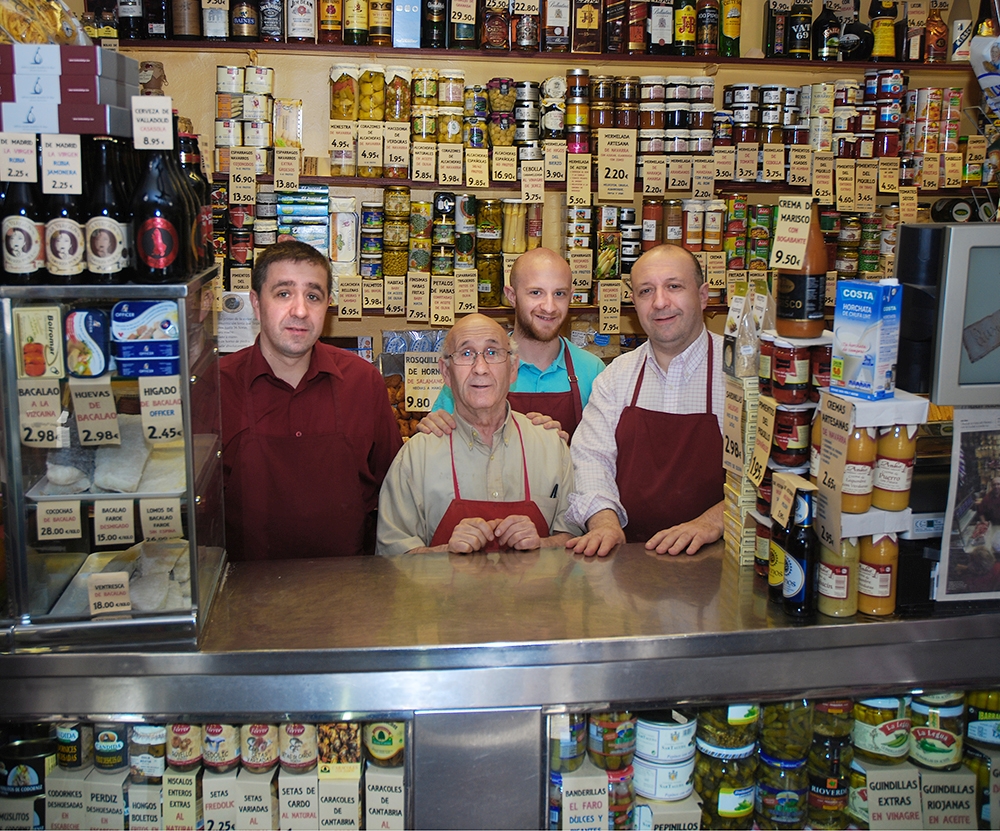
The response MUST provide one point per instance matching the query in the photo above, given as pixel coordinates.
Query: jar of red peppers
(790, 443)
(764, 364)
(790, 373)
(819, 369)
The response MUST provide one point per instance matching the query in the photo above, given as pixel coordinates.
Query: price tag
(581, 266)
(463, 11)
(395, 296)
(733, 278)
(442, 301)
(286, 169)
(242, 176)
(152, 122)
(783, 496)
(533, 182)
(908, 204)
(680, 173)
(725, 162)
(767, 407)
(370, 143)
(160, 406)
(450, 171)
(215, 4)
(654, 176)
(504, 164)
(40, 408)
(931, 172)
(822, 181)
(732, 427)
(715, 269)
(161, 519)
(774, 162)
(372, 294)
(866, 185)
(18, 157)
(61, 164)
(342, 138)
(94, 406)
(916, 14)
(952, 170)
(888, 174)
(424, 161)
(108, 592)
(59, 520)
(791, 232)
(240, 279)
(845, 184)
(799, 166)
(746, 160)
(349, 298)
(616, 165)
(975, 150)
(111, 44)
(702, 179)
(422, 381)
(508, 267)
(466, 291)
(609, 302)
(525, 7)
(396, 145)
(838, 419)
(555, 160)
(114, 522)
(578, 180)
(477, 167)
(418, 297)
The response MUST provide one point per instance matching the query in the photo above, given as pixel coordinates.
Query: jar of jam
(577, 140)
(790, 443)
(677, 115)
(764, 364)
(652, 222)
(601, 115)
(694, 224)
(578, 112)
(701, 116)
(627, 89)
(627, 116)
(673, 222)
(819, 369)
(722, 128)
(577, 83)
(602, 88)
(790, 373)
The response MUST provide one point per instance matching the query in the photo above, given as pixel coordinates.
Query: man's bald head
(477, 324)
(664, 257)
(540, 261)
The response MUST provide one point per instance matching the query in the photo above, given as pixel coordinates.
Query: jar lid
(425, 72)
(621, 775)
(372, 206)
(398, 71)
(583, 101)
(677, 105)
(649, 134)
(425, 110)
(652, 106)
(577, 73)
(893, 703)
(693, 205)
(652, 79)
(452, 73)
(372, 67)
(577, 128)
(499, 82)
(340, 69)
(703, 106)
(684, 80)
(725, 752)
(701, 80)
(944, 712)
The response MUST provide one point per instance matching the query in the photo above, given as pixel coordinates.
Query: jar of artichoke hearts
(782, 792)
(786, 729)
(882, 729)
(724, 778)
(937, 730)
(732, 726)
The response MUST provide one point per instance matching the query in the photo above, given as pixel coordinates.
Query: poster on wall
(970, 552)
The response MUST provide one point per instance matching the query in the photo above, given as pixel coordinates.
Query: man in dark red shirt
(307, 431)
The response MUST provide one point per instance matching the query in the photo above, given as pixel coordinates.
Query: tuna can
(110, 747)
(665, 737)
(259, 747)
(668, 781)
(74, 744)
(228, 105)
(228, 133)
(257, 107)
(257, 134)
(184, 746)
(229, 78)
(298, 743)
(220, 748)
(259, 79)
(26, 764)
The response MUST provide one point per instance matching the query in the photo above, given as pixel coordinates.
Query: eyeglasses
(467, 357)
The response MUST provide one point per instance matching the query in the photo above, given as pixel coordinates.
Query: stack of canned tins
(243, 112)
(663, 767)
(396, 230)
(864, 244)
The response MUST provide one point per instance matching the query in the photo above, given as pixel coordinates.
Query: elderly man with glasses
(498, 481)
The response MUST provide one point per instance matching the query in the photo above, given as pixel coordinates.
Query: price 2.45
(163, 433)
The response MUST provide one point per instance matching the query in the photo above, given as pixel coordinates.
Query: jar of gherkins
(882, 729)
(724, 778)
(567, 741)
(490, 268)
(786, 728)
(982, 716)
(732, 726)
(489, 225)
(834, 717)
(829, 771)
(611, 739)
(981, 764)
(937, 730)
(782, 792)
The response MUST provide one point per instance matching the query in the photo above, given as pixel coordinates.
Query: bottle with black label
(800, 30)
(826, 35)
(986, 21)
(801, 549)
(108, 229)
(157, 16)
(272, 22)
(706, 38)
(244, 17)
(65, 252)
(776, 29)
(190, 161)
(23, 229)
(856, 38)
(433, 26)
(159, 221)
(130, 23)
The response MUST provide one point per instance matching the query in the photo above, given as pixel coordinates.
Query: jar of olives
(371, 92)
(490, 268)
(425, 87)
(611, 739)
(829, 770)
(567, 731)
(724, 778)
(882, 729)
(786, 729)
(937, 730)
(782, 792)
(834, 717)
(732, 726)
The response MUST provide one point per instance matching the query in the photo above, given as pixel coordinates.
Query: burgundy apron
(669, 465)
(565, 407)
(460, 509)
(308, 503)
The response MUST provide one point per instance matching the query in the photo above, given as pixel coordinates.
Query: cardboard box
(866, 339)
(298, 801)
(106, 800)
(16, 117)
(144, 807)
(405, 25)
(219, 800)
(95, 120)
(385, 798)
(182, 800)
(257, 801)
(682, 814)
(585, 798)
(26, 812)
(340, 801)
(66, 798)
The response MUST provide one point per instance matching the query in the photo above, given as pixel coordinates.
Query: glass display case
(113, 520)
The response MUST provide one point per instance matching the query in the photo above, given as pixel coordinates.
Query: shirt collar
(321, 360)
(470, 435)
(690, 360)
(558, 363)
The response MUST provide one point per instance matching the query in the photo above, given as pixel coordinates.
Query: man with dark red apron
(555, 376)
(308, 433)
(648, 453)
(495, 481)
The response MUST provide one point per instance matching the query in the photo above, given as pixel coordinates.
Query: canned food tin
(665, 736)
(110, 747)
(667, 781)
(257, 107)
(257, 134)
(240, 248)
(890, 83)
(259, 79)
(821, 100)
(230, 79)
(228, 105)
(74, 744)
(27, 763)
(228, 133)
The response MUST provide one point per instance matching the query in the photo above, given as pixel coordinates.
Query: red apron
(460, 509)
(669, 465)
(309, 503)
(565, 407)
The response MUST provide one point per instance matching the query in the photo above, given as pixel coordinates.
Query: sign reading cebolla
(160, 407)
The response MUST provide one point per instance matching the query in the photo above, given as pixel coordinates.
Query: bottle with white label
(108, 228)
(23, 230)
(65, 252)
(960, 31)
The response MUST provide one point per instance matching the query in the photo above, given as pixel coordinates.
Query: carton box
(585, 798)
(106, 800)
(653, 813)
(257, 801)
(144, 807)
(340, 800)
(66, 798)
(298, 801)
(385, 798)
(182, 800)
(219, 799)
(405, 25)
(866, 339)
(22, 812)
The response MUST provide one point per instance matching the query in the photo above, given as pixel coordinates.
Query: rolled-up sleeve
(401, 523)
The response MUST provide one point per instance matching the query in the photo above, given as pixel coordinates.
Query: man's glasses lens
(467, 357)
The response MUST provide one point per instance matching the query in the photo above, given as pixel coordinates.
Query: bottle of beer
(800, 30)
(883, 21)
(131, 26)
(65, 250)
(986, 22)
(190, 161)
(801, 550)
(108, 228)
(826, 35)
(159, 222)
(23, 229)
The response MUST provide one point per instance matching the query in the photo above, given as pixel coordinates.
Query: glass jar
(877, 574)
(857, 794)
(694, 224)
(730, 726)
(937, 730)
(786, 729)
(385, 742)
(673, 221)
(449, 125)
(602, 88)
(621, 798)
(833, 717)
(782, 792)
(474, 133)
(724, 778)
(489, 225)
(344, 92)
(398, 101)
(790, 441)
(501, 94)
(396, 201)
(881, 730)
(829, 771)
(820, 358)
(790, 373)
(425, 87)
(475, 102)
(652, 115)
(502, 128)
(981, 764)
(611, 739)
(147, 754)
(567, 731)
(578, 112)
(394, 261)
(652, 222)
(259, 747)
(490, 268)
(371, 92)
(897, 447)
(423, 124)
(184, 746)
(577, 140)
(983, 718)
(856, 488)
(220, 749)
(764, 364)
(838, 579)
(298, 745)
(451, 88)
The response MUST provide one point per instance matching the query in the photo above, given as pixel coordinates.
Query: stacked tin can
(371, 244)
(577, 116)
(421, 216)
(443, 234)
(527, 118)
(663, 766)
(396, 230)
(244, 107)
(304, 215)
(932, 117)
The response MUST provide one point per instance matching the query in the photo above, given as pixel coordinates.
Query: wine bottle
(108, 229)
(729, 37)
(856, 38)
(23, 229)
(800, 294)
(800, 30)
(883, 15)
(801, 549)
(775, 31)
(826, 35)
(986, 22)
(130, 23)
(935, 37)
(189, 236)
(65, 249)
(706, 38)
(960, 30)
(157, 15)
(190, 161)
(685, 27)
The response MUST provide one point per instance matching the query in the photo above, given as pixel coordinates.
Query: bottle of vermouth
(108, 229)
(23, 230)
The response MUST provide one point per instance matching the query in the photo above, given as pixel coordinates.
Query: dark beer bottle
(108, 228)
(65, 250)
(23, 231)
(159, 222)
(799, 587)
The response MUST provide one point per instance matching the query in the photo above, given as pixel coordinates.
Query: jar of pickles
(611, 739)
(882, 729)
(489, 224)
(425, 87)
(829, 771)
(371, 92)
(490, 268)
(857, 794)
(981, 764)
(621, 798)
(398, 101)
(833, 717)
(724, 778)
(423, 123)
(733, 726)
(782, 792)
(567, 738)
(786, 729)
(344, 92)
(937, 730)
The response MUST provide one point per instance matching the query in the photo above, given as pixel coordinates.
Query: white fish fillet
(119, 467)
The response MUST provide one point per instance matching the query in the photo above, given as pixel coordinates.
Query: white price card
(286, 169)
(746, 160)
(732, 430)
(108, 592)
(463, 11)
(152, 122)
(370, 143)
(799, 166)
(680, 173)
(975, 150)
(609, 303)
(866, 184)
(422, 381)
(94, 406)
(466, 291)
(59, 520)
(215, 4)
(242, 176)
(908, 204)
(160, 407)
(715, 269)
(931, 172)
(654, 176)
(725, 162)
(40, 411)
(845, 184)
(533, 182)
(342, 138)
(578, 180)
(62, 167)
(791, 232)
(504, 164)
(240, 279)
(114, 522)
(766, 409)
(18, 157)
(396, 145)
(394, 296)
(418, 297)
(424, 161)
(450, 165)
(703, 179)
(477, 167)
(581, 266)
(822, 181)
(952, 170)
(616, 165)
(525, 7)
(442, 301)
(372, 294)
(555, 160)
(774, 163)
(161, 519)
(888, 174)
(349, 298)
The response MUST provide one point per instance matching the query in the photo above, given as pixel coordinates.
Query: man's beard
(528, 327)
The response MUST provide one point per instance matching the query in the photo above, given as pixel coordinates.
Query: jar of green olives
(732, 726)
(882, 729)
(490, 280)
(834, 717)
(567, 741)
(786, 729)
(937, 730)
(724, 779)
(829, 770)
(611, 739)
(782, 792)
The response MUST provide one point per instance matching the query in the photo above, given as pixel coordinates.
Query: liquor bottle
(331, 21)
(462, 35)
(908, 40)
(157, 16)
(300, 22)
(826, 35)
(935, 37)
(856, 38)
(65, 249)
(732, 23)
(986, 22)
(776, 564)
(23, 230)
(555, 34)
(661, 27)
(108, 229)
(356, 22)
(800, 293)
(433, 25)
(108, 26)
(190, 161)
(272, 21)
(215, 24)
(625, 26)
(775, 31)
(800, 30)
(158, 221)
(244, 20)
(186, 18)
(685, 27)
(801, 551)
(706, 38)
(960, 30)
(495, 28)
(130, 22)
(524, 31)
(883, 20)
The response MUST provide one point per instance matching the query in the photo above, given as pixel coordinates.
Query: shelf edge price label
(418, 297)
(422, 381)
(215, 4)
(616, 164)
(581, 266)
(96, 415)
(504, 164)
(533, 182)
(577, 180)
(108, 592)
(466, 291)
(609, 303)
(152, 122)
(160, 407)
(240, 279)
(62, 166)
(349, 298)
(114, 522)
(463, 11)
(680, 173)
(286, 168)
(424, 161)
(888, 174)
(242, 176)
(767, 408)
(370, 143)
(372, 294)
(442, 301)
(450, 164)
(59, 520)
(732, 433)
(161, 519)
(774, 162)
(845, 184)
(396, 145)
(931, 172)
(866, 184)
(40, 410)
(18, 157)
(703, 179)
(555, 160)
(791, 232)
(654, 176)
(725, 162)
(746, 160)
(908, 204)
(477, 167)
(526, 7)
(799, 166)
(822, 181)
(395, 296)
(952, 170)
(975, 150)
